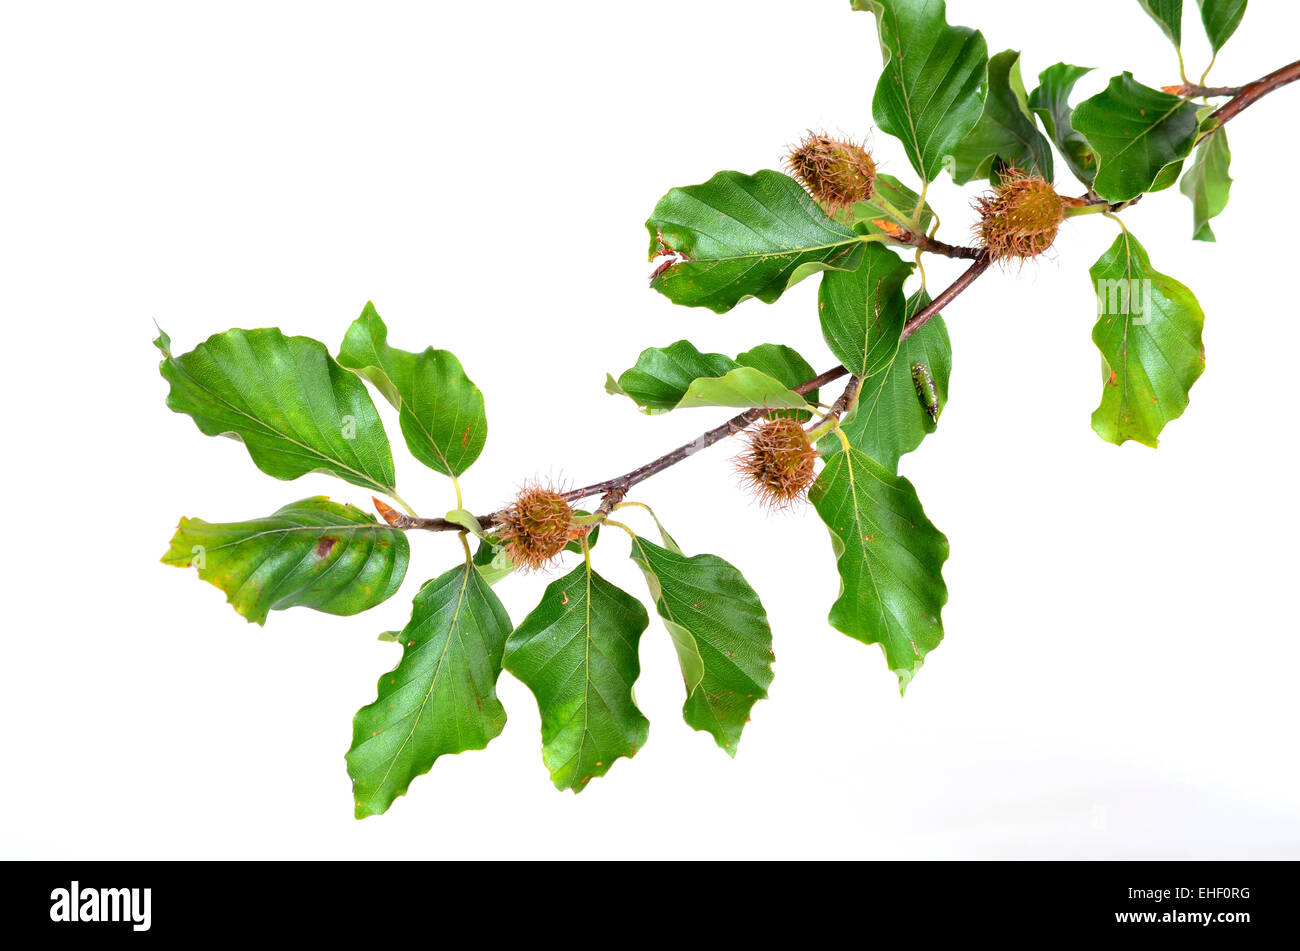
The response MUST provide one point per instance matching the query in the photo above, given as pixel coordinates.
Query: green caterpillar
(926, 391)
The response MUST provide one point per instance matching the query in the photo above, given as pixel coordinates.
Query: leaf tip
(905, 678)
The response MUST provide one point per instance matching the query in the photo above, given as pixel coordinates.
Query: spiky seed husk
(537, 526)
(778, 463)
(836, 172)
(1019, 219)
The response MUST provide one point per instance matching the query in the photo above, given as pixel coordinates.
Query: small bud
(1020, 217)
(836, 173)
(778, 463)
(890, 228)
(536, 527)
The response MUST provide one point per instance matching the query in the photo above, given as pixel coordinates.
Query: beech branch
(1251, 93)
(612, 491)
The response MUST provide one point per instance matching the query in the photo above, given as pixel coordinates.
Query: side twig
(913, 240)
(1202, 92)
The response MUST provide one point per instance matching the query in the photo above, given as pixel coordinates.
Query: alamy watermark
(1125, 298)
(102, 904)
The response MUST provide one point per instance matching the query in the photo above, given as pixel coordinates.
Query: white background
(1119, 673)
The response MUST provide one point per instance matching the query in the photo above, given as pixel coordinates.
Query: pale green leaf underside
(441, 411)
(744, 236)
(440, 698)
(889, 557)
(577, 653)
(493, 562)
(742, 388)
(720, 631)
(1149, 333)
(1207, 183)
(294, 408)
(314, 553)
(679, 376)
(781, 363)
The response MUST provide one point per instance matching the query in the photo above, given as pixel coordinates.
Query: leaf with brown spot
(314, 553)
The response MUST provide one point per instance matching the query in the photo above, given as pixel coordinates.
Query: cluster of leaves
(298, 409)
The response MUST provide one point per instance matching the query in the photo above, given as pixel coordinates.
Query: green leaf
(680, 377)
(1141, 136)
(742, 388)
(314, 553)
(889, 557)
(744, 236)
(1051, 103)
(1149, 333)
(663, 375)
(1221, 19)
(720, 631)
(928, 95)
(1006, 130)
(577, 653)
(863, 215)
(294, 408)
(1168, 15)
(440, 410)
(889, 420)
(862, 311)
(1207, 183)
(440, 698)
